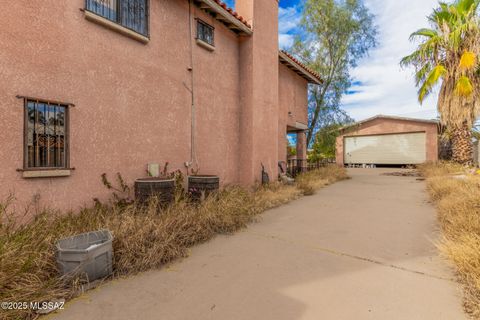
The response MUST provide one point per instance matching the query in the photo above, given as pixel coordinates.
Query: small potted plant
(201, 186)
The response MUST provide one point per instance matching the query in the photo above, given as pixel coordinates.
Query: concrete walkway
(359, 249)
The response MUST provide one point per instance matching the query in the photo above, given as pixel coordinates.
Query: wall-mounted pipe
(193, 151)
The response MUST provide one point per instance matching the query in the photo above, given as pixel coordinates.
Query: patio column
(302, 149)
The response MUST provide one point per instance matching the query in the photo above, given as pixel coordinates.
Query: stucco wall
(293, 98)
(132, 106)
(387, 126)
(259, 91)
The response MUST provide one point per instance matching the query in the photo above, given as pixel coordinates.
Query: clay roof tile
(313, 73)
(233, 13)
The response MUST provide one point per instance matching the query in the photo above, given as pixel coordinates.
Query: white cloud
(285, 41)
(384, 87)
(289, 19)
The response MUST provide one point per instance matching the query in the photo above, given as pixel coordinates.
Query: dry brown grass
(458, 202)
(310, 182)
(144, 237)
(443, 168)
(276, 194)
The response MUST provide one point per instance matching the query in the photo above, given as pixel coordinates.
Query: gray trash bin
(88, 253)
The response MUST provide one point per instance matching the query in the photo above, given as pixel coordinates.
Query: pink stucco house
(107, 86)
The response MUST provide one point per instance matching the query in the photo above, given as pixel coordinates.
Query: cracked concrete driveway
(359, 249)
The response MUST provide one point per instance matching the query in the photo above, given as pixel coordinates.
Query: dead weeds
(458, 202)
(144, 237)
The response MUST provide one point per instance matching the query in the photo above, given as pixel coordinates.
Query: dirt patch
(410, 173)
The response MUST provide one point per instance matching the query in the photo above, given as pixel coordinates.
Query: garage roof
(381, 116)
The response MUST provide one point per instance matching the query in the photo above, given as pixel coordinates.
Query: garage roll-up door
(406, 148)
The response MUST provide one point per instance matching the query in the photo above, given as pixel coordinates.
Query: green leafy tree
(324, 145)
(291, 150)
(447, 56)
(335, 35)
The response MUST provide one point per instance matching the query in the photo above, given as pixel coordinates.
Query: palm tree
(447, 56)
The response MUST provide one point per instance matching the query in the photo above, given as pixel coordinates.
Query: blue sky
(381, 86)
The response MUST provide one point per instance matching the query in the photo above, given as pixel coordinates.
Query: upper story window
(205, 32)
(46, 135)
(131, 14)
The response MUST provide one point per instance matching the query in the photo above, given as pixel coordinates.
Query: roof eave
(224, 16)
(380, 116)
(285, 59)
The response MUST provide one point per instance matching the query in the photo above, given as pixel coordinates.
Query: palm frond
(426, 52)
(465, 6)
(424, 32)
(464, 87)
(410, 59)
(422, 73)
(440, 14)
(467, 61)
(433, 77)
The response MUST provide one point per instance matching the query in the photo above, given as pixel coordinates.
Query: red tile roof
(303, 66)
(233, 13)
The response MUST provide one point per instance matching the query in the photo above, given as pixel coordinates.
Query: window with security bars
(46, 135)
(205, 32)
(131, 14)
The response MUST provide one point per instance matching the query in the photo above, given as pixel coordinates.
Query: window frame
(209, 26)
(67, 107)
(118, 20)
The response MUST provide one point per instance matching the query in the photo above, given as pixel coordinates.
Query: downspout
(193, 155)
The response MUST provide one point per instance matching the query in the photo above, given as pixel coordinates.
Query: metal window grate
(131, 14)
(46, 134)
(205, 32)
